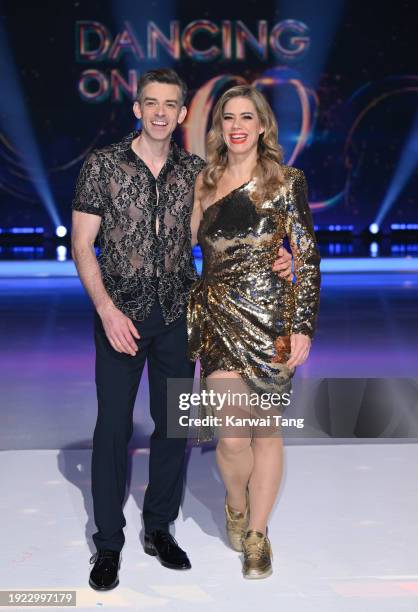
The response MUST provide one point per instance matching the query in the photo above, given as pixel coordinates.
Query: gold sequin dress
(241, 313)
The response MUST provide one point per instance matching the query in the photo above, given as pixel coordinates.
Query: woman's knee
(234, 446)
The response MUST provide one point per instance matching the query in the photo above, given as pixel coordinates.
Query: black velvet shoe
(162, 545)
(104, 575)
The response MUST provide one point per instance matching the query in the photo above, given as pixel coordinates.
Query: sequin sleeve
(300, 231)
(90, 196)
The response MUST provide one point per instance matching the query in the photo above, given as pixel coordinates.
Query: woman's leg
(265, 479)
(253, 459)
(234, 455)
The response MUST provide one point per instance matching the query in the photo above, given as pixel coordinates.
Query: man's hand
(283, 264)
(300, 345)
(119, 329)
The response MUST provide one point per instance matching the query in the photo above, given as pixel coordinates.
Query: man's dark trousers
(117, 379)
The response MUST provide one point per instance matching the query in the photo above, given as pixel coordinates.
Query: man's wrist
(105, 307)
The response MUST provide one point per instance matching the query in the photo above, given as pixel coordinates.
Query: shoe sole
(109, 588)
(257, 576)
(150, 550)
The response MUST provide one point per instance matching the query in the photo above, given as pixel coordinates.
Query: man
(136, 196)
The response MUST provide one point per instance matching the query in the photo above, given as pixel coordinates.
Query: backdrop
(339, 75)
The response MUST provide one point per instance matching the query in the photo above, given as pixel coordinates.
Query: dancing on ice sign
(201, 40)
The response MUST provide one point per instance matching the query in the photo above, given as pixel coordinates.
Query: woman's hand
(300, 345)
(283, 264)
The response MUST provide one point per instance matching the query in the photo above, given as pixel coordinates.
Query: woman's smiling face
(241, 125)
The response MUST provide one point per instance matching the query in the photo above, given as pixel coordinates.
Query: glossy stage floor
(344, 529)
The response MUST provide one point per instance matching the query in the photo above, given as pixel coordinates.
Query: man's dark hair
(161, 75)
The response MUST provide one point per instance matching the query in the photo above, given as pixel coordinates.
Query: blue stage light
(21, 230)
(17, 128)
(374, 249)
(373, 228)
(403, 226)
(61, 231)
(61, 252)
(407, 164)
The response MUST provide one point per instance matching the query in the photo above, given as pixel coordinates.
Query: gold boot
(257, 555)
(237, 524)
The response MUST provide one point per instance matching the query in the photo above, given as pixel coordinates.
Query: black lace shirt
(144, 236)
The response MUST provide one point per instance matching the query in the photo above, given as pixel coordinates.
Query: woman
(249, 327)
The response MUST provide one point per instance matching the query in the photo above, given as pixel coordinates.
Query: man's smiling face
(160, 110)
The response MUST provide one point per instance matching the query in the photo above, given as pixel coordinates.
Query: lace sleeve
(90, 196)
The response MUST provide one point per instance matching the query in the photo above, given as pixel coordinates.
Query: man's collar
(124, 148)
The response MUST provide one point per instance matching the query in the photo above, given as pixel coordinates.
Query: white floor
(344, 533)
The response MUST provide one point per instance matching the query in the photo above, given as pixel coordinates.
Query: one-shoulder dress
(241, 313)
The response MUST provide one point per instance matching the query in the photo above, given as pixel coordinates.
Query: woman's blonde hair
(268, 170)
